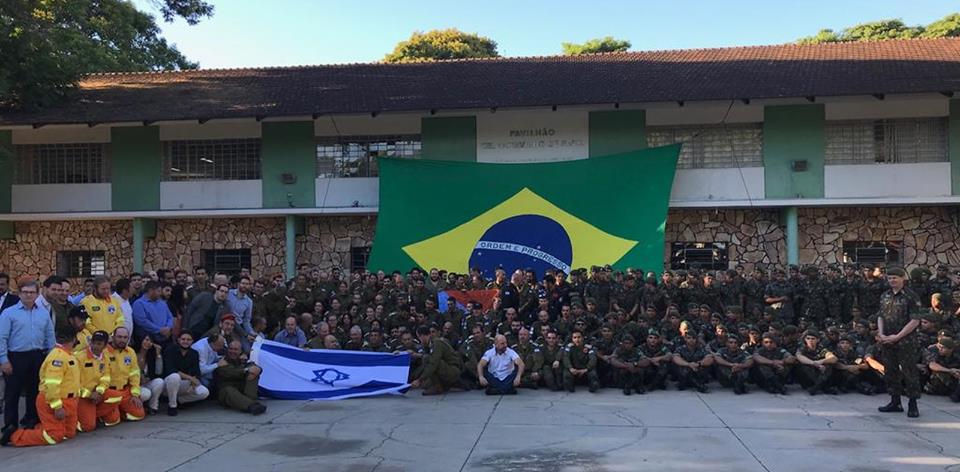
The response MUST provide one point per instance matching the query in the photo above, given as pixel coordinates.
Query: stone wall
(929, 234)
(33, 252)
(756, 237)
(327, 240)
(178, 243)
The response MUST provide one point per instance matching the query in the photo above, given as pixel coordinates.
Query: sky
(256, 33)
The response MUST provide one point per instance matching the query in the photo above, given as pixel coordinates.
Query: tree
(606, 44)
(438, 45)
(948, 26)
(47, 46)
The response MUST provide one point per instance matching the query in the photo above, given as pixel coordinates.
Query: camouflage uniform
(582, 357)
(900, 368)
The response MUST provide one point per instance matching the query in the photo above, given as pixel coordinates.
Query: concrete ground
(535, 431)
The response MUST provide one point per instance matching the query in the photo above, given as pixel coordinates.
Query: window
(81, 263)
(886, 141)
(76, 163)
(712, 256)
(211, 159)
(227, 261)
(873, 252)
(739, 145)
(356, 156)
(359, 257)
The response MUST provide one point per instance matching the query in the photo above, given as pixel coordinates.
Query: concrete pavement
(534, 431)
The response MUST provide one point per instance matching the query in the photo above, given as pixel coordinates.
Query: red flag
(483, 297)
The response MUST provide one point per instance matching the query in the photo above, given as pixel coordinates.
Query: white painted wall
(887, 180)
(367, 125)
(703, 113)
(211, 194)
(212, 130)
(903, 106)
(345, 192)
(717, 185)
(62, 135)
(45, 198)
(532, 136)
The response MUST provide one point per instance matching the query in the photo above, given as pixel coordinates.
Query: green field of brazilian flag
(563, 215)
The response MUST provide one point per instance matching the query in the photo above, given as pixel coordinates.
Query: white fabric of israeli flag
(297, 374)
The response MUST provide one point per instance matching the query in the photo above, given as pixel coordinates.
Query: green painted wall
(616, 131)
(289, 148)
(136, 157)
(955, 145)
(792, 133)
(449, 139)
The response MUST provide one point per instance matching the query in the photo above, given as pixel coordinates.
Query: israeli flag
(292, 373)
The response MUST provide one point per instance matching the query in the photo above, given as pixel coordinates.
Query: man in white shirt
(124, 290)
(209, 350)
(500, 369)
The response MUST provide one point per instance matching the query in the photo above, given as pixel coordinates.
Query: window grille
(81, 263)
(74, 163)
(226, 261)
(356, 156)
(886, 141)
(738, 145)
(880, 253)
(211, 159)
(359, 257)
(710, 256)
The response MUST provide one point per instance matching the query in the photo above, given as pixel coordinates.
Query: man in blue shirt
(291, 334)
(151, 315)
(26, 334)
(241, 305)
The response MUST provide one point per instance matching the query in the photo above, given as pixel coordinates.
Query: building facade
(792, 154)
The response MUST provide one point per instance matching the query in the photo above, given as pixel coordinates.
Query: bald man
(500, 368)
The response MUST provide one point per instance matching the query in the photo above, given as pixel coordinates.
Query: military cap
(703, 306)
(810, 270)
(948, 343)
(591, 301)
(930, 316)
(945, 332)
(580, 320)
(835, 268)
(78, 312)
(897, 271)
(847, 338)
(916, 272)
(753, 328)
(811, 332)
(608, 268)
(628, 337)
(943, 267)
(793, 267)
(653, 332)
(733, 337)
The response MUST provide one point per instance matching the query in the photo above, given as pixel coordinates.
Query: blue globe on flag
(521, 242)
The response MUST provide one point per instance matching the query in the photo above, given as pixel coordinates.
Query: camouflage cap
(928, 315)
(897, 271)
(948, 343)
(811, 332)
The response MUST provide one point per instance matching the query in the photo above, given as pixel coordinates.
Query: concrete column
(791, 219)
(143, 228)
(291, 246)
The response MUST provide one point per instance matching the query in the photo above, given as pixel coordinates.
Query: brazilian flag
(561, 215)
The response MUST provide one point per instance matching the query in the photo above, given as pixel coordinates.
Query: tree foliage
(46, 46)
(947, 26)
(438, 45)
(606, 44)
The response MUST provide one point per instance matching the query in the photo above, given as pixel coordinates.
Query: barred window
(227, 261)
(74, 163)
(356, 156)
(359, 255)
(81, 263)
(880, 253)
(211, 159)
(737, 145)
(886, 141)
(711, 256)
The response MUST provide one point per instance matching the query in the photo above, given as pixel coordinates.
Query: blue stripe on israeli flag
(292, 373)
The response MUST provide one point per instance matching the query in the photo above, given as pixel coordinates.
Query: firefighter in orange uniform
(124, 376)
(94, 380)
(57, 402)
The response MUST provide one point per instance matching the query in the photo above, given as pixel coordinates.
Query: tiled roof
(864, 68)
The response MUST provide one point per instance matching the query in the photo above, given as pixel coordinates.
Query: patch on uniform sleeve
(96, 308)
(71, 362)
(127, 360)
(57, 363)
(88, 364)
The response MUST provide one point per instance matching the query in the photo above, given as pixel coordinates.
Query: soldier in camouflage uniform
(771, 365)
(897, 322)
(628, 364)
(815, 365)
(471, 351)
(692, 364)
(549, 357)
(945, 371)
(815, 294)
(525, 349)
(442, 365)
(579, 364)
(852, 372)
(604, 345)
(733, 366)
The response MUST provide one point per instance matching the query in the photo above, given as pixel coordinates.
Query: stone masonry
(755, 236)
(33, 252)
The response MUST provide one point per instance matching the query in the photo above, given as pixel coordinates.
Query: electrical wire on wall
(326, 192)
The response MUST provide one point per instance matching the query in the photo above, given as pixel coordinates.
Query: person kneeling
(237, 382)
(500, 368)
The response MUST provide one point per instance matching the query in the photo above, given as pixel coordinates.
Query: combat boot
(912, 411)
(893, 407)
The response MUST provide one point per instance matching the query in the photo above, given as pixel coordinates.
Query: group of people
(112, 351)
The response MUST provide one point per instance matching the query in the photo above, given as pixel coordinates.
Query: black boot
(893, 407)
(912, 411)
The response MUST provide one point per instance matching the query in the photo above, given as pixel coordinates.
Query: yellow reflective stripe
(48, 439)
(133, 418)
(135, 391)
(111, 424)
(79, 428)
(52, 381)
(84, 392)
(113, 400)
(56, 404)
(101, 389)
